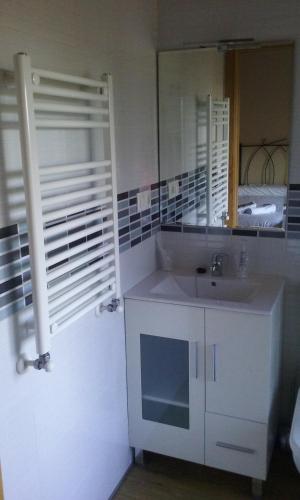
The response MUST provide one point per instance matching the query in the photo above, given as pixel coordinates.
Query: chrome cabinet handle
(214, 348)
(234, 447)
(195, 360)
(211, 366)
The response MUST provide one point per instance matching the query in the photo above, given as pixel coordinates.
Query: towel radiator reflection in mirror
(72, 207)
(218, 160)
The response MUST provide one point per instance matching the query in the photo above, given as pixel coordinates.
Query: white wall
(64, 435)
(90, 38)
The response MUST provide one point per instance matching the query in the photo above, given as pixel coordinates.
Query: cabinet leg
(138, 456)
(257, 488)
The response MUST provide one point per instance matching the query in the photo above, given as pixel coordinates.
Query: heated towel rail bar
(71, 208)
(218, 155)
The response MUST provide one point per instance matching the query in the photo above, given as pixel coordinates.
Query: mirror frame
(271, 232)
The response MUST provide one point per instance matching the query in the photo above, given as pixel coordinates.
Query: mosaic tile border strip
(15, 277)
(292, 228)
(293, 212)
(192, 192)
(223, 231)
(135, 226)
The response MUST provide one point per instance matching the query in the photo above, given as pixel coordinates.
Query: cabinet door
(165, 377)
(237, 364)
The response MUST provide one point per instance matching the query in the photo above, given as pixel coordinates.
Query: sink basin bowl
(176, 285)
(227, 289)
(233, 290)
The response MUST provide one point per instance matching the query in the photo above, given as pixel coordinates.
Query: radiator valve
(43, 362)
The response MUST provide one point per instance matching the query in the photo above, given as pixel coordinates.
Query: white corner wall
(64, 435)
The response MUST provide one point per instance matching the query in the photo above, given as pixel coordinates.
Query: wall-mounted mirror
(224, 128)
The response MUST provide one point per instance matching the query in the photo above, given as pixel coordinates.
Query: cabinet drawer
(236, 445)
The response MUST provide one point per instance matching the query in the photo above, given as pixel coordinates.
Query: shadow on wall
(15, 285)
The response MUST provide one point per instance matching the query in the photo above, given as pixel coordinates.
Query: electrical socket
(143, 200)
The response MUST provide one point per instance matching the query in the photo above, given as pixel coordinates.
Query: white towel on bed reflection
(244, 206)
(267, 208)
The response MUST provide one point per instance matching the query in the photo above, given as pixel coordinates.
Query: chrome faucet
(217, 261)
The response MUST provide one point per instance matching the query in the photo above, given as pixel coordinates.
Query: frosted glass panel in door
(165, 380)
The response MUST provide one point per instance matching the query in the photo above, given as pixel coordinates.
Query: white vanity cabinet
(165, 377)
(203, 382)
(242, 379)
(241, 351)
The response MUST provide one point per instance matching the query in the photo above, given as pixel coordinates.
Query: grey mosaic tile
(10, 297)
(8, 244)
(123, 222)
(124, 247)
(6, 232)
(10, 270)
(11, 309)
(122, 204)
(134, 234)
(5, 286)
(133, 209)
(9, 257)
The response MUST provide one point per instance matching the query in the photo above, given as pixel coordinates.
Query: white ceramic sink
(234, 290)
(256, 294)
(208, 287)
(176, 285)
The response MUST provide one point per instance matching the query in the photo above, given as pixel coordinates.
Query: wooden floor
(164, 478)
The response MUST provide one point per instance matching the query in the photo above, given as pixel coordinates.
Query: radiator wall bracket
(113, 306)
(43, 362)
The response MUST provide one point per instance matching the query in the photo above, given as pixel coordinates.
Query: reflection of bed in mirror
(262, 192)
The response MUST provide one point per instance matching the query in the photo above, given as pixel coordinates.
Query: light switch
(173, 189)
(143, 200)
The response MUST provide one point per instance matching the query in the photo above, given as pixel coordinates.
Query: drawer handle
(234, 447)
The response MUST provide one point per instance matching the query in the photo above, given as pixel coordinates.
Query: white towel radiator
(71, 208)
(218, 160)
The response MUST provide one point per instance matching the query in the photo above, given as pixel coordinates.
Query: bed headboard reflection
(265, 163)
